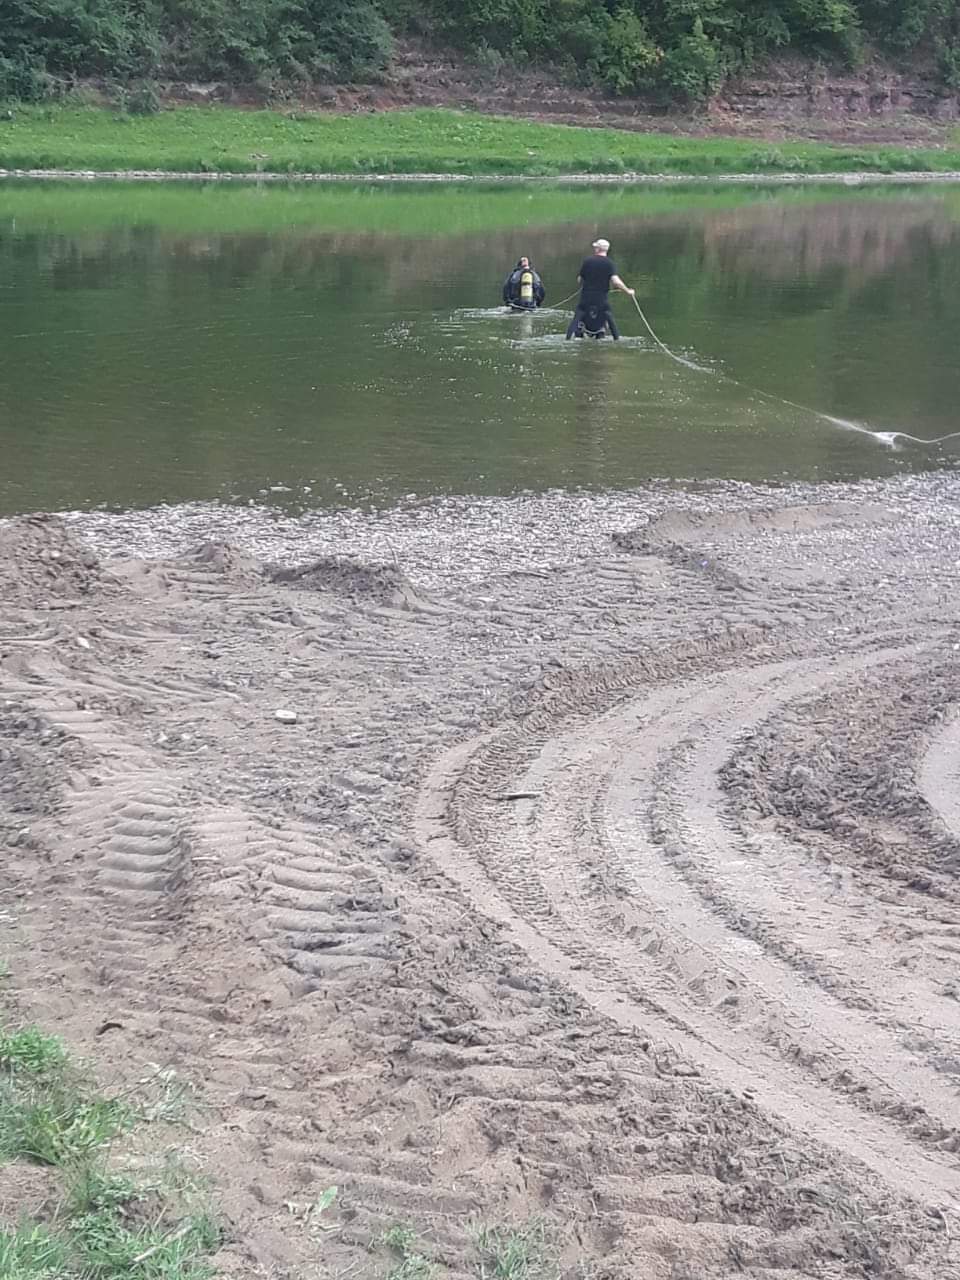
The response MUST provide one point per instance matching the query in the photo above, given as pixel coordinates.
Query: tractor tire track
(582, 867)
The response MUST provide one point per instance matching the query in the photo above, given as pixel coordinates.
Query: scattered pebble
(445, 543)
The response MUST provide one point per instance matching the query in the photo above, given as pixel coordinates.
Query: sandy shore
(608, 874)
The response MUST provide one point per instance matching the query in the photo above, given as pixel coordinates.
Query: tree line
(677, 50)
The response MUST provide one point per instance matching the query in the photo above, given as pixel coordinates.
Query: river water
(335, 345)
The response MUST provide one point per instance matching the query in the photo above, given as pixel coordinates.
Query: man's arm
(624, 288)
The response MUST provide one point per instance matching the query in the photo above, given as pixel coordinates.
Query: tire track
(837, 929)
(939, 773)
(650, 948)
(159, 862)
(254, 914)
(330, 915)
(150, 856)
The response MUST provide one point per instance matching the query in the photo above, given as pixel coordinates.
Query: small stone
(285, 717)
(686, 1070)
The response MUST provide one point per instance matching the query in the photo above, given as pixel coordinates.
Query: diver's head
(524, 263)
(602, 247)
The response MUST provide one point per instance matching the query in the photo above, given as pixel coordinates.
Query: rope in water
(886, 437)
(553, 307)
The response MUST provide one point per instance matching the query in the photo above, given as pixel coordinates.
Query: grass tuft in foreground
(106, 1246)
(47, 1113)
(516, 1253)
(33, 1252)
(105, 1223)
(523, 1252)
(53, 1124)
(410, 1263)
(29, 1050)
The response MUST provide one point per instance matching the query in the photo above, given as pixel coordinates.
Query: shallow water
(316, 347)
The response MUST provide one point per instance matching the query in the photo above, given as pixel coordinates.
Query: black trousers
(590, 320)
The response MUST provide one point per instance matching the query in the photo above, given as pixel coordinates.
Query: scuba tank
(526, 288)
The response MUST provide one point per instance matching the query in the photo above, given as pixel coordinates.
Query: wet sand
(608, 874)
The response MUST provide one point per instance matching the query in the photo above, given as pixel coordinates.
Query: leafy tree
(681, 48)
(628, 55)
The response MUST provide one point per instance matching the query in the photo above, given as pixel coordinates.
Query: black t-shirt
(596, 272)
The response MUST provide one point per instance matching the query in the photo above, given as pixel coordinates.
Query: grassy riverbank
(225, 140)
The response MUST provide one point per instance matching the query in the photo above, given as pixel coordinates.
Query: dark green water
(170, 344)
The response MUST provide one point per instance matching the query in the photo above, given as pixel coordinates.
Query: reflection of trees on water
(716, 261)
(848, 241)
(858, 241)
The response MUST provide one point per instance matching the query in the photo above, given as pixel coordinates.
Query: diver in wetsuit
(593, 315)
(523, 288)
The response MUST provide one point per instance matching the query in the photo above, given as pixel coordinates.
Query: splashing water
(889, 438)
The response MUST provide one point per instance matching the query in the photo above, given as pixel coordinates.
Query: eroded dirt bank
(788, 98)
(608, 875)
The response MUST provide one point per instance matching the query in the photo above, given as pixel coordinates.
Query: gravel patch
(444, 542)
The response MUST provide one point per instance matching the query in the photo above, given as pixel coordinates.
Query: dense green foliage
(680, 49)
(45, 45)
(685, 48)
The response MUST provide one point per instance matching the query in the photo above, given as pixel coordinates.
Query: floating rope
(553, 307)
(885, 437)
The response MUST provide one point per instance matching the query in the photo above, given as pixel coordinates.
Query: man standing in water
(597, 274)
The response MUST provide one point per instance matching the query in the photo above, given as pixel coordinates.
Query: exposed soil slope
(789, 98)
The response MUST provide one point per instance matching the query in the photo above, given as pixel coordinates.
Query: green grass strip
(435, 140)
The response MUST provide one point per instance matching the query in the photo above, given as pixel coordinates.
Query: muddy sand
(609, 875)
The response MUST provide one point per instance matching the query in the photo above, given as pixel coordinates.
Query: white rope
(885, 437)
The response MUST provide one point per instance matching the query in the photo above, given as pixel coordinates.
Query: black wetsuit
(593, 313)
(512, 289)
